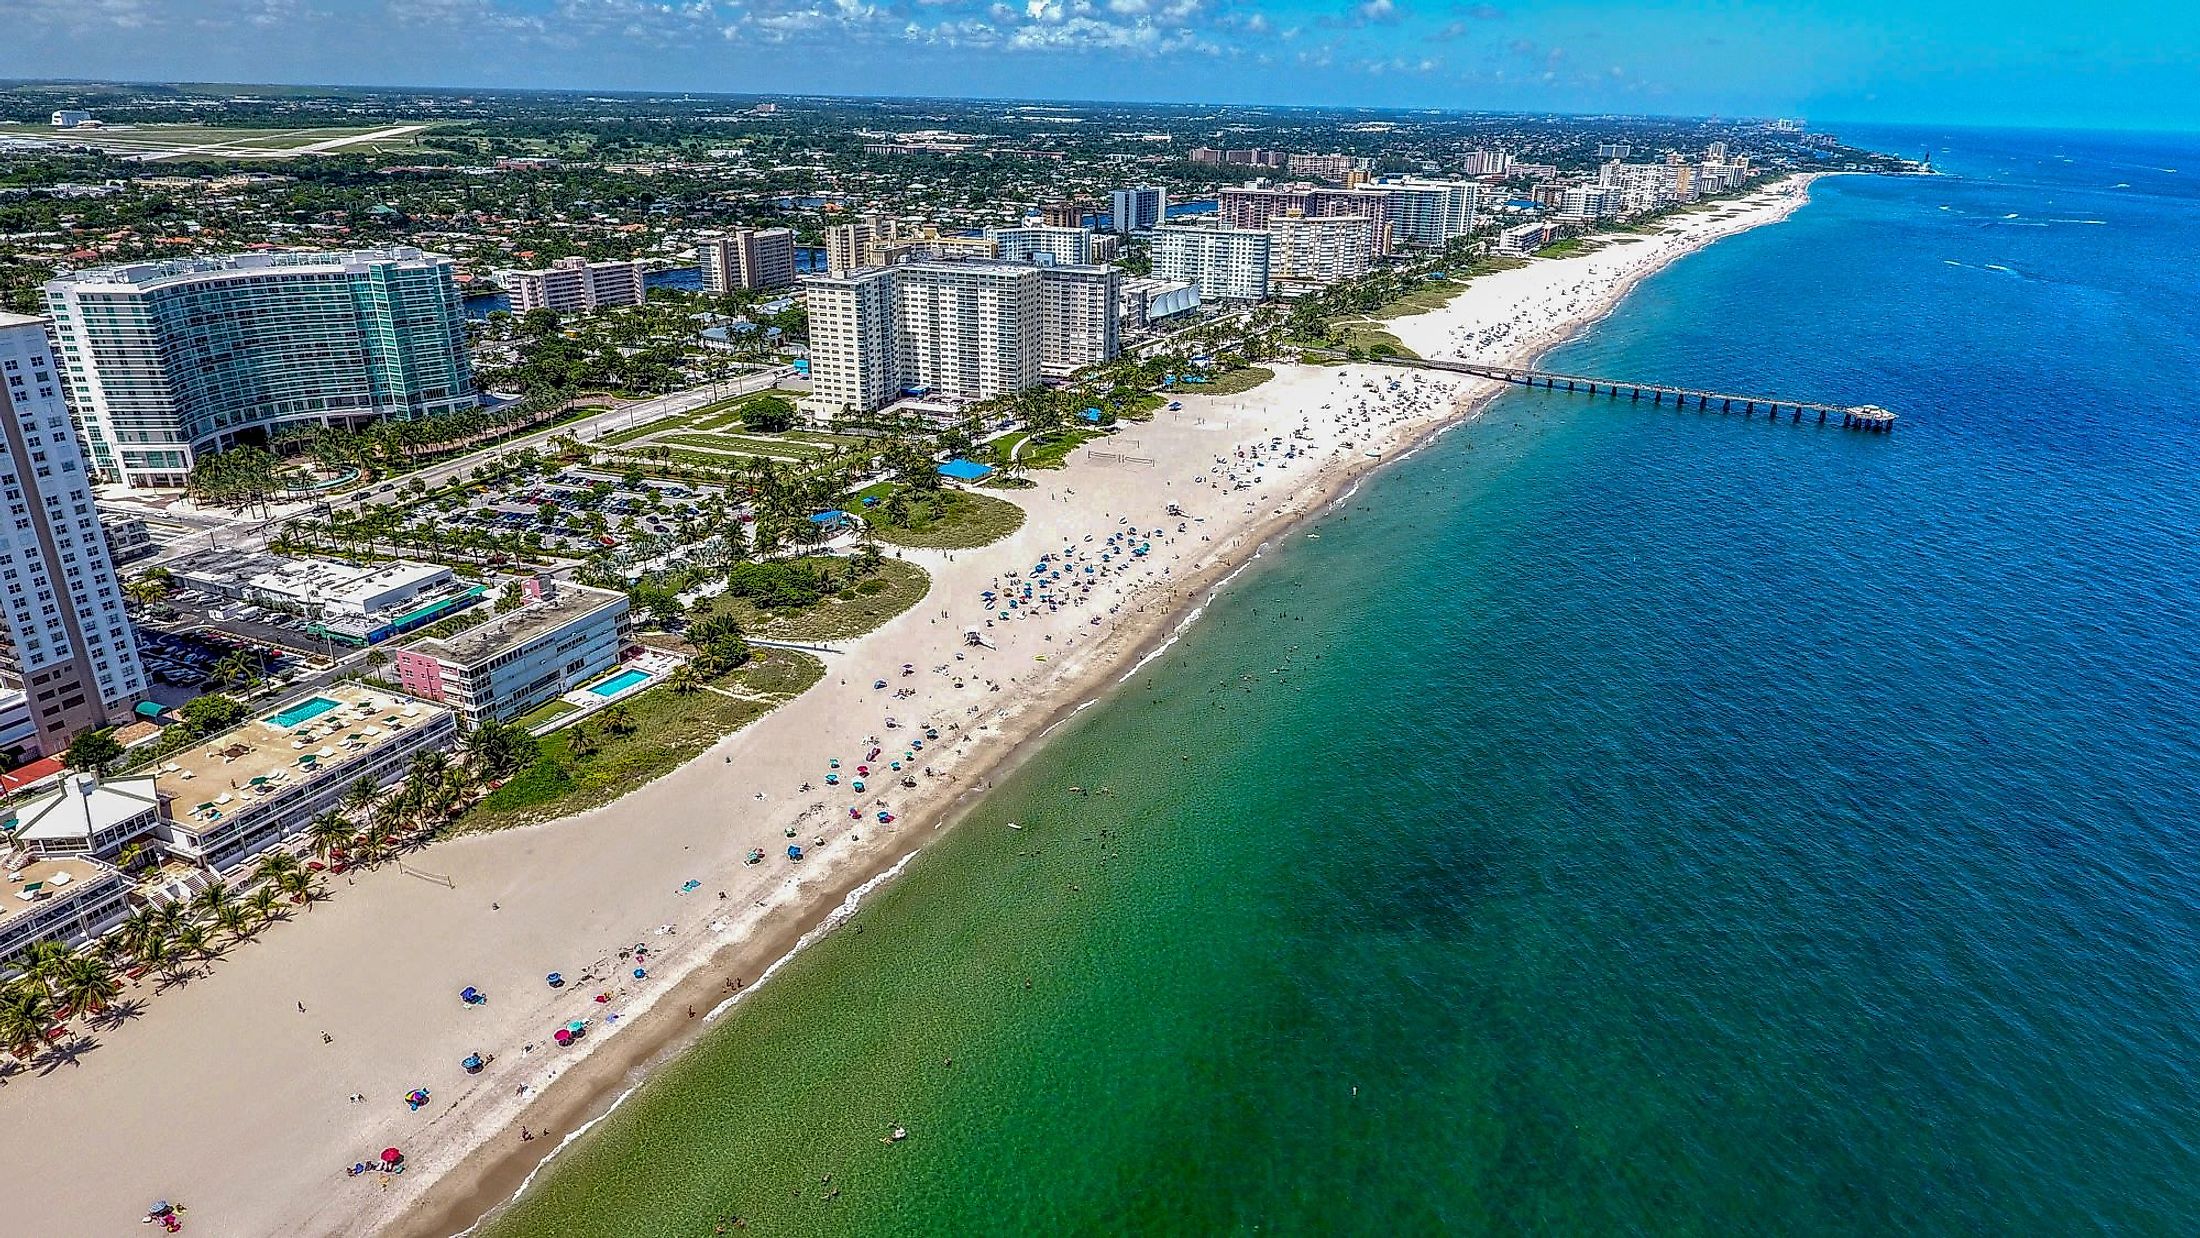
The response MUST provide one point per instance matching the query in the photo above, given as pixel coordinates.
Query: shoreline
(463, 1210)
(602, 875)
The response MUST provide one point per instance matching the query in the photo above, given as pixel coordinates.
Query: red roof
(30, 775)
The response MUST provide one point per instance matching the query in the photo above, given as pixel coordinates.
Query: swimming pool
(619, 683)
(305, 711)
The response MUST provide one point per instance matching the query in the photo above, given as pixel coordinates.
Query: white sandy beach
(222, 1094)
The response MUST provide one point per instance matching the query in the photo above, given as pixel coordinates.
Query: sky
(2109, 64)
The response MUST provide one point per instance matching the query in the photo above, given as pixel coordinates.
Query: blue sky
(2111, 63)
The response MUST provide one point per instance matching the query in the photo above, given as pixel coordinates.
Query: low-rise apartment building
(562, 636)
(234, 796)
(71, 899)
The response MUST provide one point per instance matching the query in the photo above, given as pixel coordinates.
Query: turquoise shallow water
(1614, 821)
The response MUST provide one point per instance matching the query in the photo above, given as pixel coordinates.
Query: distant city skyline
(1929, 61)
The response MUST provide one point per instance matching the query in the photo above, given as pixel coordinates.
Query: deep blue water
(1616, 821)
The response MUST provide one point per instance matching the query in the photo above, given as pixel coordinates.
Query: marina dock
(1869, 418)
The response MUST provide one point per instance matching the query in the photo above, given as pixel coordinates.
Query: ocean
(1611, 820)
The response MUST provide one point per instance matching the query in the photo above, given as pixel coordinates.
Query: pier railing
(1866, 417)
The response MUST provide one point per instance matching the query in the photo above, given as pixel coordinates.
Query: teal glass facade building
(168, 361)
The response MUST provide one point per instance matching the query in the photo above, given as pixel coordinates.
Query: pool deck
(655, 663)
(226, 764)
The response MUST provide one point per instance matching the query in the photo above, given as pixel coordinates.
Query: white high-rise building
(848, 245)
(1225, 264)
(853, 363)
(68, 647)
(1429, 213)
(575, 285)
(1138, 208)
(754, 258)
(1488, 163)
(967, 330)
(956, 330)
(1081, 312)
(1310, 253)
(1044, 245)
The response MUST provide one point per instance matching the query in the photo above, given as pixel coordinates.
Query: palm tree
(25, 1013)
(43, 961)
(684, 681)
(131, 856)
(361, 794)
(329, 832)
(617, 720)
(214, 898)
(192, 938)
(273, 865)
(86, 985)
(299, 885)
(139, 930)
(236, 919)
(580, 741)
(265, 903)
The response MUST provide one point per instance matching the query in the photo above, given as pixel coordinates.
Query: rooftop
(83, 806)
(261, 756)
(39, 880)
(19, 320)
(176, 270)
(476, 645)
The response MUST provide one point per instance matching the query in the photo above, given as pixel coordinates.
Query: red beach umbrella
(390, 1155)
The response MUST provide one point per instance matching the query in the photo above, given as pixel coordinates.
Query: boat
(1012, 825)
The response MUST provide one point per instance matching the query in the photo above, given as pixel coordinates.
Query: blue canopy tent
(966, 470)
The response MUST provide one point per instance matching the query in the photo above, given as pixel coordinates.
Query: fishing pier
(1869, 418)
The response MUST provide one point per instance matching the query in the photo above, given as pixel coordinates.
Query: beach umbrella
(390, 1156)
(577, 1026)
(563, 1037)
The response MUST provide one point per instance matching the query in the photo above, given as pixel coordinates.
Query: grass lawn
(670, 421)
(1369, 338)
(1141, 407)
(754, 444)
(1052, 452)
(1570, 247)
(645, 455)
(834, 618)
(670, 730)
(1235, 382)
(969, 520)
(555, 708)
(823, 439)
(1432, 295)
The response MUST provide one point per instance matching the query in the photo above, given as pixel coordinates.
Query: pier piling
(1869, 418)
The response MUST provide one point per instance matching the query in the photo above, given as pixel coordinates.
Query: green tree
(213, 712)
(25, 1013)
(769, 414)
(85, 985)
(94, 751)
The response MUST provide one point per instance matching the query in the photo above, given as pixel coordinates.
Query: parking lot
(182, 661)
(576, 513)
